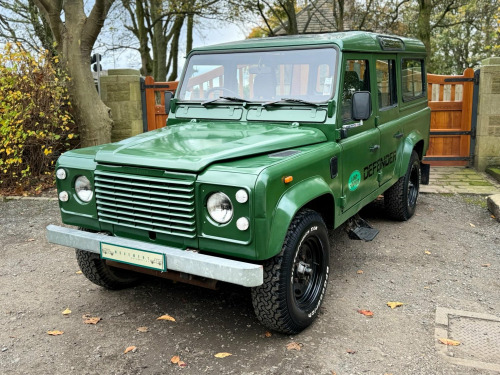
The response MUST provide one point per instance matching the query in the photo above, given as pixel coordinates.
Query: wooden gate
(153, 102)
(452, 118)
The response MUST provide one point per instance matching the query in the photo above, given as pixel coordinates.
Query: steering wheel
(223, 89)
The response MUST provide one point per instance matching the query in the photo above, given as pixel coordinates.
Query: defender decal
(377, 165)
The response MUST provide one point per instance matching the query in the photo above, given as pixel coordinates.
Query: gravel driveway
(448, 255)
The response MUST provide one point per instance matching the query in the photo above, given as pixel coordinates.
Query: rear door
(361, 147)
(387, 113)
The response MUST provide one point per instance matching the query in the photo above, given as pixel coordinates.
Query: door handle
(398, 135)
(374, 148)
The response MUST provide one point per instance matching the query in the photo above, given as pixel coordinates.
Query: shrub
(36, 125)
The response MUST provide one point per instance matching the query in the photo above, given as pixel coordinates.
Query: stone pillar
(487, 150)
(121, 91)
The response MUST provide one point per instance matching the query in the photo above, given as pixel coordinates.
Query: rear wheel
(295, 280)
(400, 200)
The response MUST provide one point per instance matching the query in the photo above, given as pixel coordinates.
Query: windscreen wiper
(289, 100)
(230, 98)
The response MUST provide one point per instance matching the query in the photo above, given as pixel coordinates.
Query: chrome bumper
(212, 267)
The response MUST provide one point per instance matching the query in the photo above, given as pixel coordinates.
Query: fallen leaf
(393, 305)
(493, 217)
(449, 342)
(166, 317)
(66, 312)
(294, 346)
(78, 272)
(55, 333)
(132, 349)
(222, 355)
(182, 364)
(349, 351)
(175, 359)
(92, 320)
(472, 225)
(334, 373)
(30, 240)
(268, 334)
(142, 329)
(427, 252)
(485, 265)
(359, 272)
(366, 312)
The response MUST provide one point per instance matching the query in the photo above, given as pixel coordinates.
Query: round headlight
(220, 208)
(83, 189)
(61, 174)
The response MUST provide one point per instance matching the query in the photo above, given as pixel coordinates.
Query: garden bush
(36, 125)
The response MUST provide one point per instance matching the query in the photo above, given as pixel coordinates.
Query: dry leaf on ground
(92, 320)
(31, 239)
(66, 312)
(142, 329)
(166, 317)
(182, 364)
(222, 355)
(175, 359)
(268, 334)
(132, 349)
(294, 346)
(449, 342)
(366, 312)
(78, 272)
(472, 225)
(349, 351)
(485, 265)
(55, 333)
(393, 305)
(427, 252)
(359, 272)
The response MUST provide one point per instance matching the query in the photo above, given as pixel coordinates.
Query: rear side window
(412, 79)
(386, 83)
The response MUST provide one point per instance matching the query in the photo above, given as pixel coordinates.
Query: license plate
(136, 257)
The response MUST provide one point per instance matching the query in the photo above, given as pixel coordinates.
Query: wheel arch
(414, 141)
(313, 193)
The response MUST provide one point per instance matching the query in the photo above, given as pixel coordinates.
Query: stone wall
(121, 91)
(487, 150)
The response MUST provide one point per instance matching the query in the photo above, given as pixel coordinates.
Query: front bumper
(212, 267)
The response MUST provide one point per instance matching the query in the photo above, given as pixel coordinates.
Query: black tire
(290, 306)
(96, 270)
(400, 200)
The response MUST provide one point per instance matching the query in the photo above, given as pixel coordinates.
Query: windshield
(261, 76)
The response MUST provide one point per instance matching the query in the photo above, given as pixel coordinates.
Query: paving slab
(460, 180)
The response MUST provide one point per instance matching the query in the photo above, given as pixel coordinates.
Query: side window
(412, 73)
(356, 78)
(386, 83)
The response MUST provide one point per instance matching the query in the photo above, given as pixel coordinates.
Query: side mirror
(361, 105)
(168, 96)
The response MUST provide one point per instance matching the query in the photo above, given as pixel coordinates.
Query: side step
(359, 229)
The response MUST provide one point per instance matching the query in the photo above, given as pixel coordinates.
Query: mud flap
(359, 229)
(425, 171)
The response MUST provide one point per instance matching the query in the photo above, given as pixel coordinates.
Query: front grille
(162, 205)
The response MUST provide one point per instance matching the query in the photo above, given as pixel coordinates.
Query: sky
(211, 33)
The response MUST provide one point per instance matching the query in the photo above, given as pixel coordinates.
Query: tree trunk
(189, 33)
(424, 25)
(338, 14)
(144, 50)
(174, 46)
(75, 38)
(289, 7)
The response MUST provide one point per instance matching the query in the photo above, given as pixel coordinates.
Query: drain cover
(478, 334)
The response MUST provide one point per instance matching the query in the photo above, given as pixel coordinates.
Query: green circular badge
(354, 180)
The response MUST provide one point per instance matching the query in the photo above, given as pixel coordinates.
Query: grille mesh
(162, 205)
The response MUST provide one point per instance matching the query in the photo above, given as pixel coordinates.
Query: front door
(361, 146)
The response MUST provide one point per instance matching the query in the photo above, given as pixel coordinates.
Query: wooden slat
(155, 112)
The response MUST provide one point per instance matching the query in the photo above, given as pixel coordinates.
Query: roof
(362, 41)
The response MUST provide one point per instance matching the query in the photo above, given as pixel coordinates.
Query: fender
(289, 204)
(409, 144)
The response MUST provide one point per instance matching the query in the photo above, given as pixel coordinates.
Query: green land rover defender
(269, 143)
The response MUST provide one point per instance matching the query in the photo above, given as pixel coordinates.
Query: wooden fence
(155, 101)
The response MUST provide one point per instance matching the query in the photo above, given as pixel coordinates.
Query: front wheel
(400, 200)
(295, 280)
